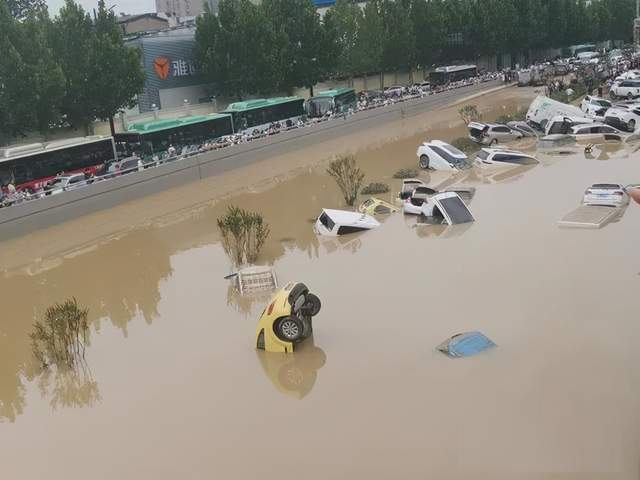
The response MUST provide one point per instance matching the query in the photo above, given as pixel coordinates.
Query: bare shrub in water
(469, 113)
(374, 188)
(348, 177)
(244, 233)
(59, 340)
(406, 173)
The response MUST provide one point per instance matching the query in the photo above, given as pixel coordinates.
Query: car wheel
(631, 125)
(424, 162)
(289, 329)
(312, 305)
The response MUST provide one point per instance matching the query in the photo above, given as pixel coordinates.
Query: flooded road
(176, 388)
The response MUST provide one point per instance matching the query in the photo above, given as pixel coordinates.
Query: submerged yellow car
(287, 318)
(375, 206)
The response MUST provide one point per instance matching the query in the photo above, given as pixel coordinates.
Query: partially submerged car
(492, 133)
(408, 186)
(602, 203)
(596, 133)
(591, 216)
(624, 117)
(606, 194)
(562, 124)
(412, 205)
(375, 206)
(595, 106)
(439, 155)
(286, 320)
(523, 127)
(501, 157)
(342, 222)
(555, 141)
(465, 345)
(447, 207)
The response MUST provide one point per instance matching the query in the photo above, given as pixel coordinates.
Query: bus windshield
(319, 106)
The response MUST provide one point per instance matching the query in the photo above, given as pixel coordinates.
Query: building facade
(184, 8)
(146, 22)
(171, 77)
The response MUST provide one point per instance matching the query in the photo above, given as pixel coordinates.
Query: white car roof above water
(448, 147)
(356, 219)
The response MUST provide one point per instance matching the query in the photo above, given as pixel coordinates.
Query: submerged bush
(59, 340)
(406, 173)
(465, 144)
(469, 113)
(512, 117)
(374, 188)
(348, 177)
(244, 233)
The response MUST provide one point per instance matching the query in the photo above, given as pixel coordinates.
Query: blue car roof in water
(466, 344)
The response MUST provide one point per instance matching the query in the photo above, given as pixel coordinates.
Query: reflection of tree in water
(12, 400)
(115, 281)
(58, 343)
(244, 303)
(73, 387)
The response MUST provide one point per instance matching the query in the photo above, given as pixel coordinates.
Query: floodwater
(176, 389)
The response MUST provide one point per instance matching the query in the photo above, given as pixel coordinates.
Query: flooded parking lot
(176, 389)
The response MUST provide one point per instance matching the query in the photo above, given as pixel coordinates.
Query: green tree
(207, 36)
(73, 44)
(399, 40)
(15, 115)
(20, 9)
(238, 55)
(296, 25)
(341, 26)
(116, 70)
(43, 77)
(369, 43)
(342, 21)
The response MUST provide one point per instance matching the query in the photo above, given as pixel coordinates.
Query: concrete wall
(30, 216)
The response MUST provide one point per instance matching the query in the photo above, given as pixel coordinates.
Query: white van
(543, 109)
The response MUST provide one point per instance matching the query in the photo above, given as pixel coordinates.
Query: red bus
(31, 167)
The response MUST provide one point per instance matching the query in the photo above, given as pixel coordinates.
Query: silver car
(492, 133)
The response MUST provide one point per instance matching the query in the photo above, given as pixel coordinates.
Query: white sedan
(606, 194)
(439, 155)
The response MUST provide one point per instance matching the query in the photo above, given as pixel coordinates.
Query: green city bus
(260, 113)
(337, 100)
(155, 136)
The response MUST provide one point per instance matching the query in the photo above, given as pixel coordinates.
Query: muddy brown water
(177, 390)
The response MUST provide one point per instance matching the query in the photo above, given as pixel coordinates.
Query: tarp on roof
(466, 345)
